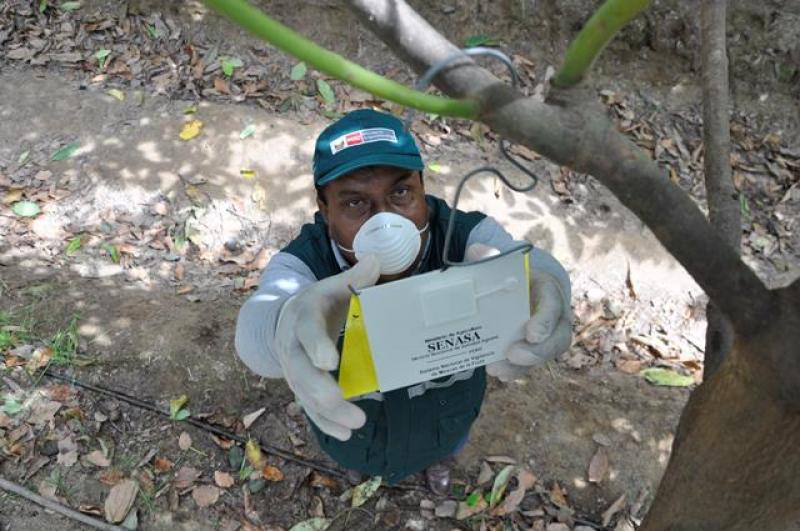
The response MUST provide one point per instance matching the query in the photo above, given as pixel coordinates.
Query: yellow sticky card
(356, 371)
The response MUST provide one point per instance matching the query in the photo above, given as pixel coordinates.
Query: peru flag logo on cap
(364, 136)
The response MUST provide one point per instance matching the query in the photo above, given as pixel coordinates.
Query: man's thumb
(364, 274)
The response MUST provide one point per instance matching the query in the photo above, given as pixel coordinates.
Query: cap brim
(408, 162)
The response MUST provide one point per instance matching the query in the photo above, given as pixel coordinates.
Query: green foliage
(298, 71)
(73, 246)
(26, 209)
(65, 152)
(102, 56)
(481, 40)
(326, 92)
(229, 64)
(64, 343)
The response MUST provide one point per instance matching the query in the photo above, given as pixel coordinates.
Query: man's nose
(382, 205)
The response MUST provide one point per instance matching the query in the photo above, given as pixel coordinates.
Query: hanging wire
(421, 85)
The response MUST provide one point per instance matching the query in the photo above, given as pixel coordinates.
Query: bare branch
(571, 131)
(723, 205)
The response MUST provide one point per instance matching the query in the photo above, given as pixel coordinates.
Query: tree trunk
(735, 462)
(723, 206)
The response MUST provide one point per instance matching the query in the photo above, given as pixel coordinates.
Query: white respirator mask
(392, 238)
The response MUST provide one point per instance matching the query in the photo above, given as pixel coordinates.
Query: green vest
(402, 435)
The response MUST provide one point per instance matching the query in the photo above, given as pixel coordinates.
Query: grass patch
(64, 343)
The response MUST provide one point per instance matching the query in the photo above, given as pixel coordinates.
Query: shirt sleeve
(284, 276)
(490, 232)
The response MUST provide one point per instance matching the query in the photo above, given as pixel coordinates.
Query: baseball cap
(363, 138)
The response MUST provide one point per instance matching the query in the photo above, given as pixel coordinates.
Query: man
(376, 224)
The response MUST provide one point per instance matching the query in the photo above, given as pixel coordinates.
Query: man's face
(352, 199)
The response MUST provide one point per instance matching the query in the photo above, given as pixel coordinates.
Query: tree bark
(723, 205)
(735, 460)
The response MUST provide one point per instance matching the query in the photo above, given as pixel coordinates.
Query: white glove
(548, 332)
(305, 342)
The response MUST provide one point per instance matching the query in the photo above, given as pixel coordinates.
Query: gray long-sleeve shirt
(286, 274)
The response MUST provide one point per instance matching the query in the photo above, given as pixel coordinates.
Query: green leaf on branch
(298, 71)
(666, 377)
(152, 30)
(326, 92)
(481, 40)
(42, 5)
(26, 209)
(229, 64)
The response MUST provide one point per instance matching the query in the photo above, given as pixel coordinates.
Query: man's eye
(355, 203)
(401, 192)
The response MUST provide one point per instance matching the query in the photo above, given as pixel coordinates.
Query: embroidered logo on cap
(364, 136)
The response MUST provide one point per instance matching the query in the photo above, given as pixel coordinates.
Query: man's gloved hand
(548, 332)
(305, 342)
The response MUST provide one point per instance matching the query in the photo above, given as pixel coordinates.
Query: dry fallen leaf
(91, 509)
(629, 366)
(67, 452)
(598, 466)
(162, 464)
(190, 129)
(272, 473)
(486, 473)
(205, 495)
(501, 459)
(110, 477)
(179, 271)
(613, 509)
(321, 480)
(557, 495)
(184, 441)
(223, 479)
(41, 357)
(120, 500)
(97, 458)
(185, 477)
(251, 417)
(225, 444)
(253, 453)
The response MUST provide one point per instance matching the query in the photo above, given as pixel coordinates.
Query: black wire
(280, 452)
(421, 85)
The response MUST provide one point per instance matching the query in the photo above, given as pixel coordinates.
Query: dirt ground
(173, 233)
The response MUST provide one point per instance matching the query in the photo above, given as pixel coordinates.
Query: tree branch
(593, 38)
(723, 206)
(291, 42)
(573, 132)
